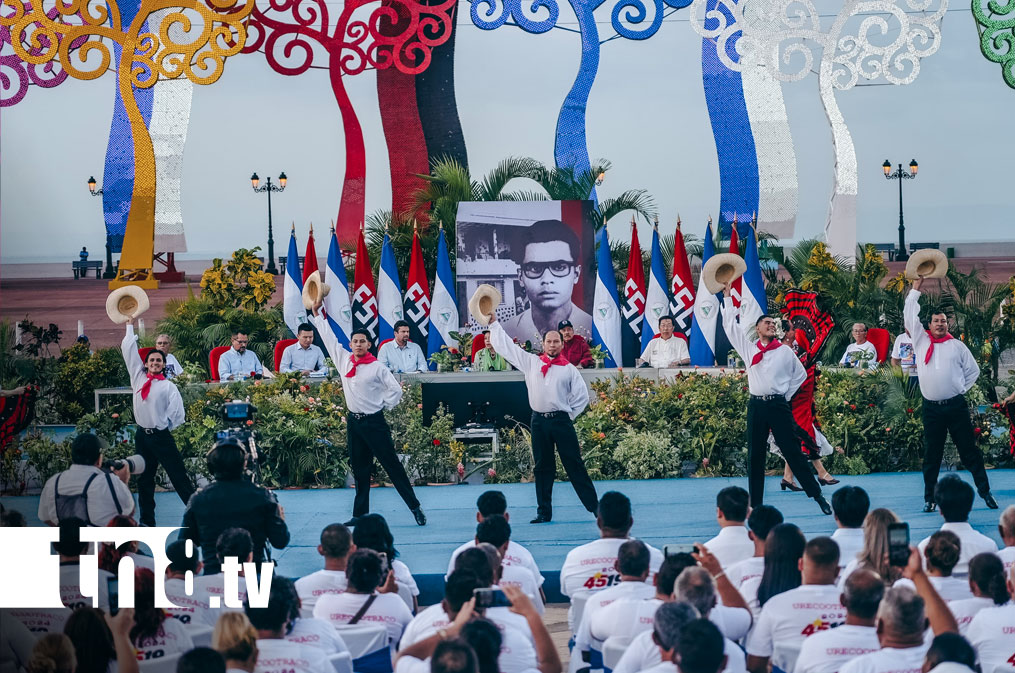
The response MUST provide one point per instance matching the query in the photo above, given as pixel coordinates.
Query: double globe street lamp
(269, 188)
(901, 175)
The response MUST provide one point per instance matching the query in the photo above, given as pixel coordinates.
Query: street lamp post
(269, 188)
(110, 271)
(900, 175)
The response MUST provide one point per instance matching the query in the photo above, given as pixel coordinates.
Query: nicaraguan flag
(337, 304)
(753, 298)
(606, 311)
(389, 293)
(706, 314)
(293, 312)
(443, 305)
(657, 300)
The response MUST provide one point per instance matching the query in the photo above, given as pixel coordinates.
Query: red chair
(881, 339)
(213, 360)
(280, 348)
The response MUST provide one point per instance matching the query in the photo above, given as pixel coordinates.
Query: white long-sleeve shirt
(163, 410)
(952, 369)
(562, 389)
(372, 389)
(778, 373)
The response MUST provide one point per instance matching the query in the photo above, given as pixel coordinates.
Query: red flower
(853, 407)
(436, 442)
(680, 396)
(455, 351)
(977, 431)
(306, 408)
(704, 462)
(253, 374)
(249, 422)
(909, 411)
(870, 405)
(207, 380)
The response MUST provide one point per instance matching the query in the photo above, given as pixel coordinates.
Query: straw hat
(927, 263)
(484, 302)
(126, 303)
(721, 269)
(314, 289)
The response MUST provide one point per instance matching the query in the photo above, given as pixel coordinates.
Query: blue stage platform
(675, 510)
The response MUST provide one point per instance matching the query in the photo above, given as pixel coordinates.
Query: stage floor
(675, 510)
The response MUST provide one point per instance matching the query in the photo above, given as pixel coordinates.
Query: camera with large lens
(240, 415)
(135, 464)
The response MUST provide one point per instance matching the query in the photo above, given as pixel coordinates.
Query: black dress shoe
(420, 517)
(351, 523)
(989, 499)
(541, 519)
(929, 506)
(823, 504)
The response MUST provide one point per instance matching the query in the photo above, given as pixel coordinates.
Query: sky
(646, 114)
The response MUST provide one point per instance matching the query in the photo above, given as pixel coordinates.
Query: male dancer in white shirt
(158, 408)
(946, 371)
(369, 388)
(774, 374)
(557, 394)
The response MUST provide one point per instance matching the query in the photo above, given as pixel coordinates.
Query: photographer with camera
(158, 408)
(232, 501)
(89, 489)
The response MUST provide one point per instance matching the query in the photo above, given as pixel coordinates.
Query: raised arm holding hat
(946, 370)
(369, 388)
(774, 373)
(557, 394)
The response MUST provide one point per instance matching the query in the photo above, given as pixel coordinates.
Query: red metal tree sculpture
(397, 33)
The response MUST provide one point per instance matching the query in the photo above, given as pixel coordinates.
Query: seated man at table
(401, 355)
(238, 363)
(860, 349)
(303, 356)
(489, 360)
(666, 350)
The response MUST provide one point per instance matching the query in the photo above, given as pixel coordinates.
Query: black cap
(564, 323)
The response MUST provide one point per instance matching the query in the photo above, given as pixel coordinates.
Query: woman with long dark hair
(372, 532)
(102, 643)
(155, 634)
(989, 587)
(784, 547)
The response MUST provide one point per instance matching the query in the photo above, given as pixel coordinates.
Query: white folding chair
(363, 639)
(342, 661)
(160, 665)
(574, 615)
(306, 612)
(200, 634)
(784, 657)
(405, 593)
(613, 650)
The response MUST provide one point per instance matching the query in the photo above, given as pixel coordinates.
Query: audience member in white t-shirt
(372, 532)
(592, 567)
(733, 544)
(784, 548)
(941, 552)
(992, 631)
(903, 617)
(1006, 527)
(191, 608)
(761, 521)
(658, 646)
(336, 545)
(316, 633)
(517, 654)
(860, 350)
(850, 505)
(235, 638)
(989, 585)
(366, 576)
(495, 530)
(275, 654)
(488, 504)
(632, 566)
(950, 653)
(232, 542)
(699, 649)
(903, 353)
(954, 499)
(792, 615)
(155, 634)
(828, 651)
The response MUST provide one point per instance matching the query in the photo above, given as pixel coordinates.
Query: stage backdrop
(539, 254)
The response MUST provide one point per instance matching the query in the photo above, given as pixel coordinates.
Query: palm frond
(493, 184)
(637, 200)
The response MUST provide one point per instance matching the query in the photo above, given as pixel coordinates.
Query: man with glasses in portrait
(549, 270)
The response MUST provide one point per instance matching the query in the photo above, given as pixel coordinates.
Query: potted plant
(599, 355)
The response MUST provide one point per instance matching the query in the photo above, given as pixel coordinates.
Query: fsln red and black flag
(632, 302)
(681, 288)
(364, 296)
(803, 313)
(416, 305)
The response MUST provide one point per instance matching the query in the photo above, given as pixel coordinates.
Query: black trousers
(941, 418)
(557, 430)
(158, 448)
(370, 436)
(774, 414)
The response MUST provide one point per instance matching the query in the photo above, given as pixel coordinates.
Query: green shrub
(647, 455)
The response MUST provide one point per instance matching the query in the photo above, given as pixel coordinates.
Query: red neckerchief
(365, 360)
(548, 362)
(772, 345)
(147, 387)
(935, 340)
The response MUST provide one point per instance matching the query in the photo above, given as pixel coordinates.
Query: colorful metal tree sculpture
(398, 34)
(786, 32)
(629, 18)
(14, 88)
(995, 22)
(212, 31)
